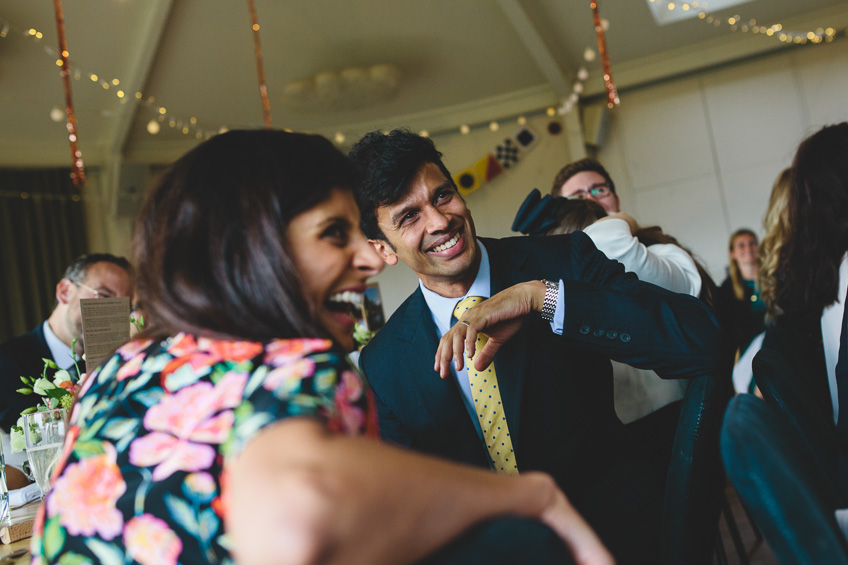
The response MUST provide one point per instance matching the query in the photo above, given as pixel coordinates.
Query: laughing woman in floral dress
(234, 429)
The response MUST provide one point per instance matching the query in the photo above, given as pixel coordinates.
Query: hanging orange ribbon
(78, 172)
(612, 92)
(263, 89)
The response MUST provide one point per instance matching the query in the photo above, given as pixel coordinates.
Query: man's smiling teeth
(348, 297)
(447, 245)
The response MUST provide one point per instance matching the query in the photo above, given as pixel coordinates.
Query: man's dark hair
(76, 271)
(572, 169)
(387, 162)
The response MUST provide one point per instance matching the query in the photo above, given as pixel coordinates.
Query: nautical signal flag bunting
(504, 156)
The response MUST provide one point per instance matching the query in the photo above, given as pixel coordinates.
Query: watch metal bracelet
(550, 302)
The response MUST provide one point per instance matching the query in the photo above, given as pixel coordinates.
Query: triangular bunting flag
(488, 168)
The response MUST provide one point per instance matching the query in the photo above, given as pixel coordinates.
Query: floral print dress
(141, 475)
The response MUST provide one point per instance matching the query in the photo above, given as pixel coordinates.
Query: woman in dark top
(738, 302)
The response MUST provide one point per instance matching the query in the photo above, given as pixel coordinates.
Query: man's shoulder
(399, 321)
(546, 256)
(23, 350)
(31, 339)
(575, 242)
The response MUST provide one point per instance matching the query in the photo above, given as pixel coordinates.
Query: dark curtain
(42, 230)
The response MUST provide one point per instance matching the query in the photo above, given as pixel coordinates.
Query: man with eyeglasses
(584, 179)
(95, 275)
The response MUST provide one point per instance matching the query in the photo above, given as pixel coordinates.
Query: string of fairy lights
(191, 126)
(737, 23)
(186, 126)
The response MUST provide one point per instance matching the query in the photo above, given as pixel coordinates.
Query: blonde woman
(738, 302)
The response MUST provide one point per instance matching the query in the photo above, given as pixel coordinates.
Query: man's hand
(499, 318)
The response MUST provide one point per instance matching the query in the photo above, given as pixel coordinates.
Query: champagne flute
(4, 491)
(44, 433)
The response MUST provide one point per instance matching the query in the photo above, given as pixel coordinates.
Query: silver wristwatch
(551, 295)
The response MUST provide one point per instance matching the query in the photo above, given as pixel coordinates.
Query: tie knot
(465, 304)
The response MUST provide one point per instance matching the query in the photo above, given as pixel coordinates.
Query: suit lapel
(417, 344)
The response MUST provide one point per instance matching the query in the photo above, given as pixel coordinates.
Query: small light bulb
(153, 127)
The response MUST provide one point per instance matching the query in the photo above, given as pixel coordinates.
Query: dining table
(15, 553)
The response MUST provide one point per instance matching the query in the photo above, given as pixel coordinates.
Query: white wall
(697, 155)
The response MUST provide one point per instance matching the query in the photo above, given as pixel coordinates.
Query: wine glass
(44, 433)
(4, 491)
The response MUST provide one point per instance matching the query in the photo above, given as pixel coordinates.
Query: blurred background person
(586, 179)
(775, 224)
(738, 302)
(58, 339)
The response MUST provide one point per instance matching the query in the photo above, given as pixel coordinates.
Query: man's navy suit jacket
(20, 356)
(557, 390)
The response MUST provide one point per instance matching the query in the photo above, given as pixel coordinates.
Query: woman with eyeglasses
(233, 428)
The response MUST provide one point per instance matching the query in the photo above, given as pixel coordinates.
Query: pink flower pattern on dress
(284, 351)
(133, 348)
(84, 496)
(142, 471)
(130, 368)
(150, 541)
(289, 376)
(183, 425)
(349, 418)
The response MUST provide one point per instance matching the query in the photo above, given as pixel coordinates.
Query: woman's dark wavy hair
(210, 245)
(817, 235)
(387, 163)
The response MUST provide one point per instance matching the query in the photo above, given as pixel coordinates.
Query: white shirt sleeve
(664, 264)
(831, 326)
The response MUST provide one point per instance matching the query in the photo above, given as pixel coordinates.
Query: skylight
(669, 11)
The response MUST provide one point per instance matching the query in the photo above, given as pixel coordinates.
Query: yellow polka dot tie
(487, 402)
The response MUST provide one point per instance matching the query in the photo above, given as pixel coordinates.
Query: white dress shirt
(61, 353)
(442, 309)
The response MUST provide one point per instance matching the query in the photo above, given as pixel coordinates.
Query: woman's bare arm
(298, 494)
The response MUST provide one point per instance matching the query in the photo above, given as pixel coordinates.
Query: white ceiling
(461, 61)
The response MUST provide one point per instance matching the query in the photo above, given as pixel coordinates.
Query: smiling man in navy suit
(557, 311)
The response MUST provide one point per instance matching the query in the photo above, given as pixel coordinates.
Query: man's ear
(65, 291)
(385, 251)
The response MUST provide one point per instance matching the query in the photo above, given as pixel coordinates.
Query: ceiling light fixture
(347, 89)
